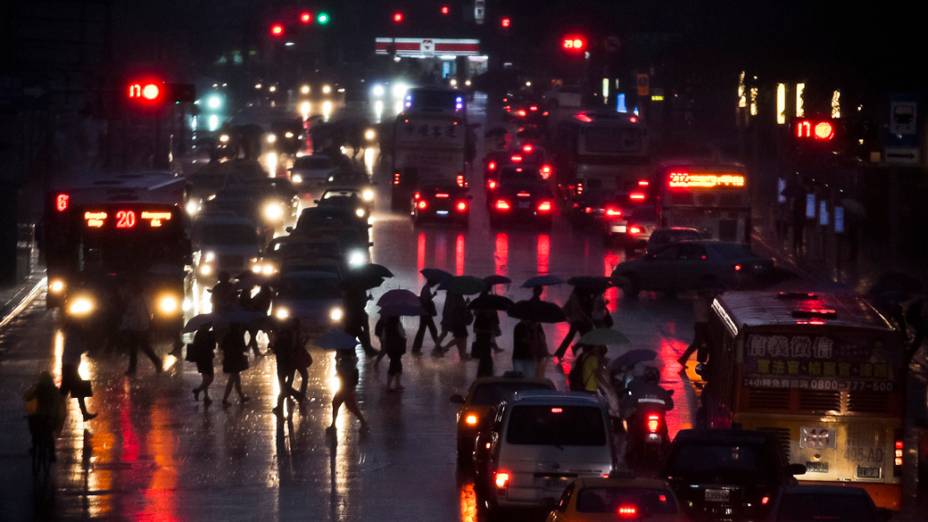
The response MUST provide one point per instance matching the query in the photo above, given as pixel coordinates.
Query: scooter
(646, 436)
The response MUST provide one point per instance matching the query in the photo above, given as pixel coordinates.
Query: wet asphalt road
(155, 454)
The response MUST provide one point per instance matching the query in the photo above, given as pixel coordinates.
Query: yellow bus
(822, 372)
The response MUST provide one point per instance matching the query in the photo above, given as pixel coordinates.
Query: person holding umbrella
(201, 352)
(456, 317)
(292, 358)
(357, 322)
(528, 339)
(234, 361)
(579, 311)
(394, 344)
(259, 303)
(492, 281)
(346, 368)
(426, 323)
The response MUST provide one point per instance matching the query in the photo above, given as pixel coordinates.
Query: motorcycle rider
(645, 390)
(642, 397)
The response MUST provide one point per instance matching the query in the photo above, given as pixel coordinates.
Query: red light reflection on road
(610, 260)
(459, 254)
(543, 253)
(160, 491)
(501, 254)
(670, 348)
(441, 252)
(468, 502)
(420, 257)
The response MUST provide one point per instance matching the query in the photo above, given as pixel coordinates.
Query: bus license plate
(816, 467)
(869, 472)
(441, 212)
(717, 495)
(525, 204)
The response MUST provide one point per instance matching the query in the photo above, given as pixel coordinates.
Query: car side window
(668, 253)
(692, 252)
(565, 499)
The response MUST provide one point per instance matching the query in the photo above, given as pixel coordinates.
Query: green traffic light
(322, 18)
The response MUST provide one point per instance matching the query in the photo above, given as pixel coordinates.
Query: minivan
(540, 442)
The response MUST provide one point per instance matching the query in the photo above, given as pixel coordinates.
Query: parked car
(728, 474)
(692, 265)
(818, 503)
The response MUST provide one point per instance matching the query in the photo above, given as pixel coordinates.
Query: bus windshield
(612, 140)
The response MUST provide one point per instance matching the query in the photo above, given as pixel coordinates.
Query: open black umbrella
(436, 275)
(491, 302)
(372, 269)
(496, 280)
(590, 282)
(402, 310)
(464, 285)
(398, 297)
(542, 280)
(536, 310)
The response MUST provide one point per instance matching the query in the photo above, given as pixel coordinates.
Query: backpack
(575, 377)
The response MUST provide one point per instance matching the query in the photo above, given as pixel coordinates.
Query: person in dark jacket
(292, 359)
(224, 295)
(357, 322)
(426, 298)
(234, 361)
(346, 368)
(486, 323)
(201, 352)
(259, 303)
(455, 319)
(394, 343)
(525, 348)
(579, 311)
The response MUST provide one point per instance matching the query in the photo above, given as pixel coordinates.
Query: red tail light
(461, 206)
(507, 108)
(423, 204)
(738, 267)
(461, 182)
(588, 210)
(523, 194)
(491, 184)
(533, 108)
(503, 205)
(898, 455)
(521, 113)
(764, 500)
(501, 479)
(491, 166)
(633, 119)
(528, 148)
(613, 212)
(516, 158)
(654, 423)
(637, 196)
(627, 511)
(442, 195)
(396, 178)
(545, 206)
(643, 183)
(546, 171)
(634, 229)
(416, 196)
(579, 188)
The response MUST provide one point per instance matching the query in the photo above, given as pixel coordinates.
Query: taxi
(479, 405)
(617, 498)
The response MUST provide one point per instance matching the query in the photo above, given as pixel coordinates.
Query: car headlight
(206, 270)
(370, 135)
(56, 286)
(471, 419)
(167, 304)
(193, 207)
(288, 135)
(271, 138)
(296, 179)
(360, 212)
(81, 306)
(356, 258)
(209, 257)
(268, 269)
(326, 89)
(273, 212)
(367, 195)
(282, 313)
(336, 314)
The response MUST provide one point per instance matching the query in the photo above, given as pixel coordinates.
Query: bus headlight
(273, 212)
(56, 286)
(205, 270)
(360, 212)
(268, 269)
(282, 313)
(167, 305)
(193, 206)
(356, 258)
(81, 306)
(296, 179)
(367, 195)
(271, 138)
(370, 135)
(336, 314)
(209, 256)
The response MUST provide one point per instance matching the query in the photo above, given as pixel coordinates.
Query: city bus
(710, 196)
(104, 233)
(821, 372)
(429, 150)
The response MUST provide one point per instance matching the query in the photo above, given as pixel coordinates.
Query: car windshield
(493, 393)
(433, 99)
(732, 250)
(556, 426)
(329, 194)
(720, 462)
(309, 288)
(219, 234)
(648, 501)
(312, 163)
(816, 507)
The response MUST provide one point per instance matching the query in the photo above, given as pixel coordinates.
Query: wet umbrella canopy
(497, 280)
(491, 302)
(540, 311)
(402, 310)
(464, 285)
(542, 280)
(435, 275)
(398, 297)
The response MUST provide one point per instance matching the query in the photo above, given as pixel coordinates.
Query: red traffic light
(306, 17)
(574, 43)
(398, 17)
(505, 22)
(277, 29)
(147, 92)
(445, 10)
(822, 130)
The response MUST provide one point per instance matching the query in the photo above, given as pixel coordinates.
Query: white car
(224, 243)
(313, 297)
(542, 441)
(312, 172)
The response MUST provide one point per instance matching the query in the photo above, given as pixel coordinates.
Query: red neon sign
(574, 43)
(125, 219)
(148, 91)
(816, 130)
(685, 180)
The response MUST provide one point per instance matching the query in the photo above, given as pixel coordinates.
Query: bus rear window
(556, 426)
(612, 140)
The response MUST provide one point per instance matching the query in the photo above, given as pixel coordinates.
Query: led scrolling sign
(705, 180)
(126, 219)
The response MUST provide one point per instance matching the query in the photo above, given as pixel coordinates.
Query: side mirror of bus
(796, 469)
